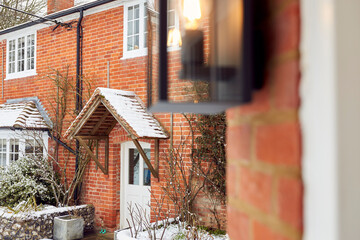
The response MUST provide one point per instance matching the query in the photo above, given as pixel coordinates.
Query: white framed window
(135, 30)
(173, 27)
(17, 144)
(21, 56)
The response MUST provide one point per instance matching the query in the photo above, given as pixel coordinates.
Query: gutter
(57, 15)
(79, 45)
(2, 71)
(79, 40)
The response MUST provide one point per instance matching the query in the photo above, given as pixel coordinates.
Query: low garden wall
(39, 225)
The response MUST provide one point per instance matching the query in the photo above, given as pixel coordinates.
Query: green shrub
(22, 180)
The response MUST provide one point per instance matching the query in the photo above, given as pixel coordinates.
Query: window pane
(29, 146)
(136, 42)
(134, 167)
(171, 18)
(14, 149)
(147, 173)
(137, 11)
(21, 42)
(11, 56)
(11, 67)
(3, 159)
(12, 45)
(130, 28)
(32, 51)
(130, 13)
(3, 152)
(136, 23)
(145, 40)
(21, 54)
(38, 150)
(130, 43)
(171, 4)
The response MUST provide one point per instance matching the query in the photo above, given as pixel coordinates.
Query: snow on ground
(5, 212)
(172, 232)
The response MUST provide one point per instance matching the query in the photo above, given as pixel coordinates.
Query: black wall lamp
(219, 46)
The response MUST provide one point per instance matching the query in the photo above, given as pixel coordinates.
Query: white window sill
(20, 74)
(144, 52)
(134, 54)
(174, 48)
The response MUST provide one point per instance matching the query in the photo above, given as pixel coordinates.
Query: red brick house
(292, 153)
(112, 36)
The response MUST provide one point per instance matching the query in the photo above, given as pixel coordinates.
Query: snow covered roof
(107, 107)
(21, 115)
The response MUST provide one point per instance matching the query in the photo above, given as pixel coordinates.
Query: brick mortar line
(268, 168)
(270, 220)
(273, 116)
(281, 58)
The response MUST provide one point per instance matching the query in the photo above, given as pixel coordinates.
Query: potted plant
(68, 227)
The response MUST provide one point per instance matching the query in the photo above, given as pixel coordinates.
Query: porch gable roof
(106, 107)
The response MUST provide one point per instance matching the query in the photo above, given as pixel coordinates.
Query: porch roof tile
(21, 115)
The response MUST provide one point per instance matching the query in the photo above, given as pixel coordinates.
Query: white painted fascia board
(67, 18)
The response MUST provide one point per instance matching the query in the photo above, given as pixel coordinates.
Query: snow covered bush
(22, 180)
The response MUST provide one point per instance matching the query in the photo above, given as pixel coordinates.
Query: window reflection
(134, 165)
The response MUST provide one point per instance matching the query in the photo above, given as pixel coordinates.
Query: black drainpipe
(79, 40)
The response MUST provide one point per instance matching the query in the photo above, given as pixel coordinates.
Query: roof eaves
(57, 15)
(39, 106)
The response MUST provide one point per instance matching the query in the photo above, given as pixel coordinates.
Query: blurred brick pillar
(264, 184)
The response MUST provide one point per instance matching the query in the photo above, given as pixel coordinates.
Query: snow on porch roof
(21, 115)
(108, 106)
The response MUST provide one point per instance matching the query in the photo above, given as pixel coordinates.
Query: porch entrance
(135, 181)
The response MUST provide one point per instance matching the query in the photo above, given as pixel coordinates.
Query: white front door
(135, 181)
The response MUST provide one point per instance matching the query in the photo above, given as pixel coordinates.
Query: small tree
(197, 164)
(9, 18)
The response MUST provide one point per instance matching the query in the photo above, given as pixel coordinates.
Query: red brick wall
(265, 191)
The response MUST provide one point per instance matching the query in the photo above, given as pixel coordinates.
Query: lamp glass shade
(207, 56)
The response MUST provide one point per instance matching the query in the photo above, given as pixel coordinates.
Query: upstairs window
(135, 29)
(174, 38)
(21, 56)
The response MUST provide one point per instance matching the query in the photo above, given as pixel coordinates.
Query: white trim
(330, 115)
(123, 175)
(73, 16)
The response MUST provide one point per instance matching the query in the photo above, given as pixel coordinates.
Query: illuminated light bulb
(192, 13)
(174, 38)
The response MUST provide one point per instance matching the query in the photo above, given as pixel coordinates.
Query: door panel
(136, 181)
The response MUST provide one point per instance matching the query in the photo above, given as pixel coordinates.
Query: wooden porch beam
(92, 137)
(146, 159)
(92, 155)
(98, 124)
